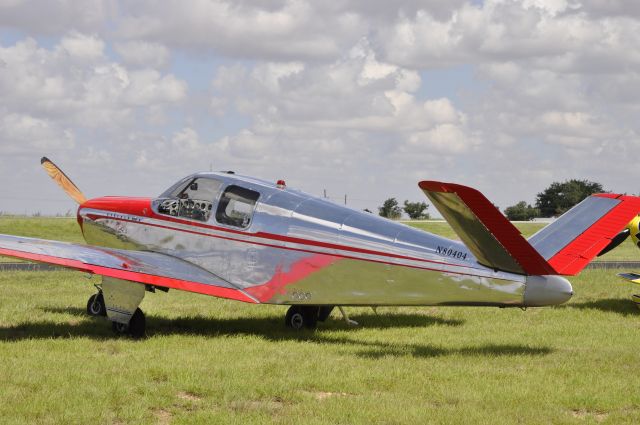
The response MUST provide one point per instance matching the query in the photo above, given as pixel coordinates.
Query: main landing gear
(118, 301)
(307, 316)
(135, 328)
(302, 316)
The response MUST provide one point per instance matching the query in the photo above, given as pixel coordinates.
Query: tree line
(415, 210)
(555, 200)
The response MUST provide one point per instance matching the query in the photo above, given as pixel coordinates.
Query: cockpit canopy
(195, 198)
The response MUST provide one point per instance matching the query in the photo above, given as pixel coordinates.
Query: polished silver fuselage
(300, 249)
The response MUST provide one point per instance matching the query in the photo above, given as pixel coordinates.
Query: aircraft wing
(631, 277)
(150, 268)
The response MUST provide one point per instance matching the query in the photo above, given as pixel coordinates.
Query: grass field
(214, 361)
(54, 228)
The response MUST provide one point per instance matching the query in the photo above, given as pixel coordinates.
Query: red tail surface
(564, 247)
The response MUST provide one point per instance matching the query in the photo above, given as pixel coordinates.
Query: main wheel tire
(299, 317)
(137, 324)
(95, 305)
(294, 318)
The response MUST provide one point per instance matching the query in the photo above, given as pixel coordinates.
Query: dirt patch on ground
(185, 395)
(163, 417)
(274, 404)
(587, 414)
(323, 395)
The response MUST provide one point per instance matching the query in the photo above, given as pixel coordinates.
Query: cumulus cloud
(81, 46)
(143, 54)
(54, 17)
(76, 84)
(331, 108)
(280, 29)
(22, 134)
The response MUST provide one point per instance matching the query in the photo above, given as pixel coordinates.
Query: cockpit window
(192, 199)
(236, 206)
(205, 189)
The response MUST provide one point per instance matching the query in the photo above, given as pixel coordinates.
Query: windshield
(192, 199)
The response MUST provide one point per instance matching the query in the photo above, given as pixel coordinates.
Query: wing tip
(433, 186)
(44, 159)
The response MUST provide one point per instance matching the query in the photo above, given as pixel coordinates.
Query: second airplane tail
(564, 247)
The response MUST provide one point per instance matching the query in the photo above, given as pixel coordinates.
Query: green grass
(442, 228)
(54, 228)
(61, 229)
(214, 361)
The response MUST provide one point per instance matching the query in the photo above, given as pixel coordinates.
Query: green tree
(558, 198)
(390, 209)
(416, 210)
(521, 212)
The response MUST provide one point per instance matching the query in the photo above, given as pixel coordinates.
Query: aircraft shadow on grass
(622, 306)
(271, 329)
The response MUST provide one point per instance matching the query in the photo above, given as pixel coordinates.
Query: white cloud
(75, 84)
(143, 54)
(56, 16)
(281, 29)
(83, 47)
(21, 134)
(326, 106)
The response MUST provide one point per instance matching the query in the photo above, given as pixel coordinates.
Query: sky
(358, 97)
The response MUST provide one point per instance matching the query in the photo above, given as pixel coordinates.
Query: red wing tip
(608, 195)
(433, 186)
(436, 186)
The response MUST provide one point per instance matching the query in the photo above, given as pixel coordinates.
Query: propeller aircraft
(246, 239)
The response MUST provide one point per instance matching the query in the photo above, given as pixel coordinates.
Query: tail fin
(564, 247)
(63, 181)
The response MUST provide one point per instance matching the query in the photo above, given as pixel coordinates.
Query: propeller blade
(63, 181)
(617, 240)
